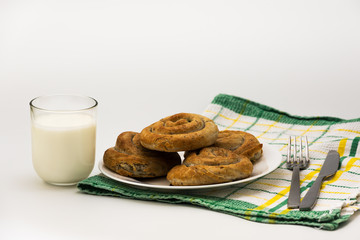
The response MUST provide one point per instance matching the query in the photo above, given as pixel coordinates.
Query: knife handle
(294, 194)
(308, 202)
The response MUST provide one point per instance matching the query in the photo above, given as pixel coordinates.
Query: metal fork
(297, 159)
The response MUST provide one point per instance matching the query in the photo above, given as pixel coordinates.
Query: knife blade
(329, 168)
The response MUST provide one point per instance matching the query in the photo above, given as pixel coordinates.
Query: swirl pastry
(240, 142)
(130, 158)
(179, 132)
(210, 165)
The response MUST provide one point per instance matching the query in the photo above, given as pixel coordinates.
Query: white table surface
(144, 60)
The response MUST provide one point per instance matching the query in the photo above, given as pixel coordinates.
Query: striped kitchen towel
(265, 200)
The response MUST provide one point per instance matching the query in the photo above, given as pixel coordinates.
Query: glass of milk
(63, 132)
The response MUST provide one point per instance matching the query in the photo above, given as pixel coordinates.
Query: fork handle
(294, 195)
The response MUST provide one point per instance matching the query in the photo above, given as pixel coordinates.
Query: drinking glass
(63, 135)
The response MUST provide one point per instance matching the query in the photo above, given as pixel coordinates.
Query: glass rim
(31, 103)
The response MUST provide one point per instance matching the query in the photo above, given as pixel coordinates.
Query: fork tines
(298, 153)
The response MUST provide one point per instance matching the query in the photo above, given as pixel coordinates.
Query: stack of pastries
(210, 156)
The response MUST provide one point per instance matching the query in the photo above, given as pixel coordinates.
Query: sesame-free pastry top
(180, 132)
(129, 158)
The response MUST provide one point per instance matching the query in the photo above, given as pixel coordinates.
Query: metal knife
(329, 168)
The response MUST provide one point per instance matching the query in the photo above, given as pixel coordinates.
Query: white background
(144, 60)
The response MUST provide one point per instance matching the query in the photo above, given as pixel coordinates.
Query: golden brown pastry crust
(179, 132)
(240, 142)
(210, 165)
(130, 158)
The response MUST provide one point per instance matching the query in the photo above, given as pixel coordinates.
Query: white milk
(63, 147)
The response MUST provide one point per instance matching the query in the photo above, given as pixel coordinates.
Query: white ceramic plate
(270, 160)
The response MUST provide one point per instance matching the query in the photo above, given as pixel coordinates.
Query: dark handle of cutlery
(308, 202)
(294, 194)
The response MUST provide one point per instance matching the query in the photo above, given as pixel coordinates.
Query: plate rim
(138, 184)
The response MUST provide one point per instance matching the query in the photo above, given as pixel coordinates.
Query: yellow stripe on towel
(342, 146)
